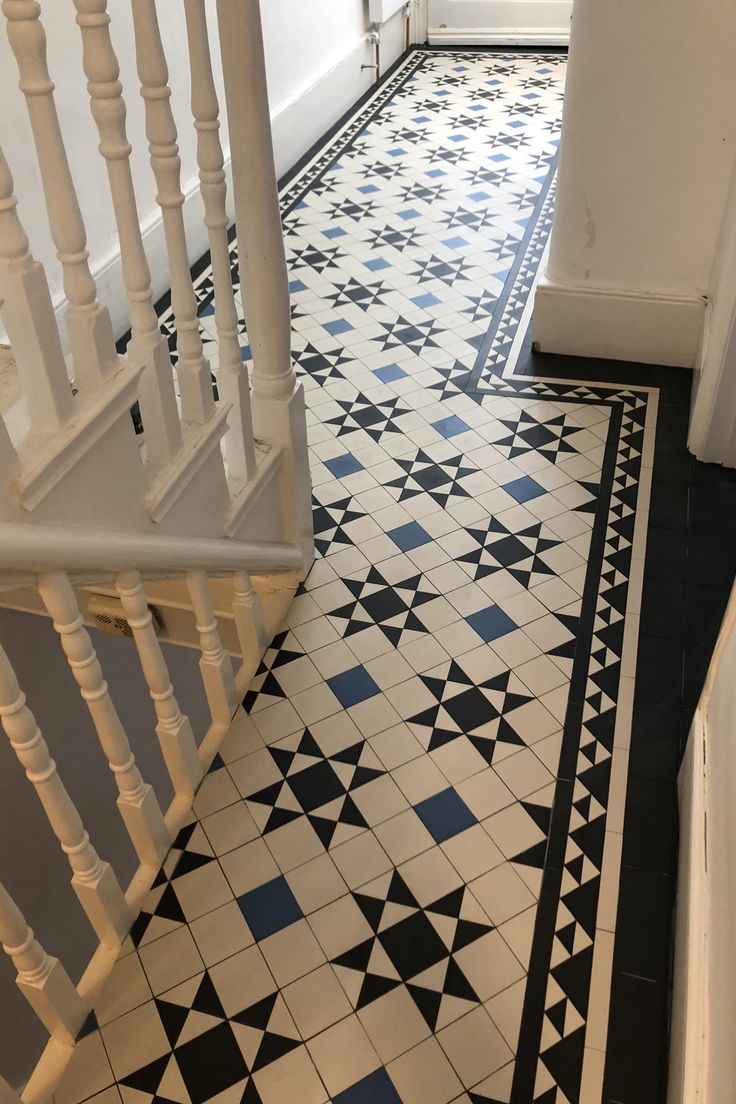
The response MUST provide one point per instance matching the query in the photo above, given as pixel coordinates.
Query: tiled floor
(401, 882)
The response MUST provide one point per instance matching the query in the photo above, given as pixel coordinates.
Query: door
(500, 22)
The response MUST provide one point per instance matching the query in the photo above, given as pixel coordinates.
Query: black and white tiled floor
(401, 881)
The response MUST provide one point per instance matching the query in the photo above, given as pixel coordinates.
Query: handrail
(30, 548)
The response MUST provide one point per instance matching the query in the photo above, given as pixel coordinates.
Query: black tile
(656, 742)
(650, 826)
(696, 661)
(711, 559)
(659, 670)
(636, 1052)
(668, 507)
(712, 509)
(705, 607)
(644, 924)
(663, 608)
(666, 554)
(710, 475)
(672, 425)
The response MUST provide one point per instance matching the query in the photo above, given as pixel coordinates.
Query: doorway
(499, 22)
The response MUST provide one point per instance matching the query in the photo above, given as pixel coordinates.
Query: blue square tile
(409, 213)
(353, 686)
(337, 327)
(454, 243)
(334, 232)
(389, 373)
(297, 285)
(245, 353)
(269, 908)
(376, 1088)
(448, 427)
(498, 158)
(376, 263)
(444, 815)
(343, 465)
(206, 310)
(434, 173)
(524, 489)
(458, 137)
(478, 197)
(409, 536)
(427, 300)
(491, 623)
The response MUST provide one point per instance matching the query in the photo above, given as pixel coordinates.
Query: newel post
(278, 399)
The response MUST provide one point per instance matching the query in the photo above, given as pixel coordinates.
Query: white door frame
(499, 22)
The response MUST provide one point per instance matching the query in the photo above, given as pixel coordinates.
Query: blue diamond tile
(297, 285)
(524, 489)
(343, 465)
(245, 353)
(427, 300)
(376, 1088)
(491, 623)
(409, 536)
(337, 327)
(366, 189)
(205, 310)
(376, 263)
(353, 686)
(448, 427)
(454, 243)
(478, 197)
(409, 213)
(334, 232)
(498, 157)
(389, 373)
(434, 173)
(398, 152)
(269, 908)
(445, 814)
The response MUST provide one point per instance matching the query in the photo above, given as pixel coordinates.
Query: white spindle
(232, 378)
(42, 980)
(147, 345)
(88, 323)
(93, 880)
(173, 728)
(215, 664)
(137, 802)
(29, 319)
(278, 400)
(193, 371)
(248, 618)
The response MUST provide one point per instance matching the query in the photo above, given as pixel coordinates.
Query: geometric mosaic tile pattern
(398, 884)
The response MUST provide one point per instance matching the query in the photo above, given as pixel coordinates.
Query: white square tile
(316, 1001)
(292, 952)
(343, 1054)
(502, 893)
(221, 933)
(475, 1046)
(424, 1075)
(170, 960)
(360, 859)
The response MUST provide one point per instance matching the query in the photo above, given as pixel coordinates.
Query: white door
(501, 22)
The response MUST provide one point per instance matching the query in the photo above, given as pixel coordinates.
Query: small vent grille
(107, 615)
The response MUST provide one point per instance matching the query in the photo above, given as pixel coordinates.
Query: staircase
(196, 531)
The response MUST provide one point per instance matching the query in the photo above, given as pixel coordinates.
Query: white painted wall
(702, 1057)
(314, 53)
(648, 141)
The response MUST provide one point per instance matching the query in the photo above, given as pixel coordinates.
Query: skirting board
(498, 36)
(618, 325)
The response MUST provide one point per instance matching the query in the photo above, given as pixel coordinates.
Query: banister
(35, 548)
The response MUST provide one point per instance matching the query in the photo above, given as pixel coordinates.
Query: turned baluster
(29, 319)
(137, 802)
(278, 400)
(232, 378)
(193, 371)
(173, 728)
(215, 664)
(88, 323)
(248, 618)
(147, 345)
(42, 980)
(93, 880)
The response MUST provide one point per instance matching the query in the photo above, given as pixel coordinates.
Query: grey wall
(32, 866)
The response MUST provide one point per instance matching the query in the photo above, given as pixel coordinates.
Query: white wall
(314, 52)
(702, 1058)
(506, 22)
(648, 141)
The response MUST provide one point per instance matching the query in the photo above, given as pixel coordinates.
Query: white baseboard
(498, 36)
(618, 325)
